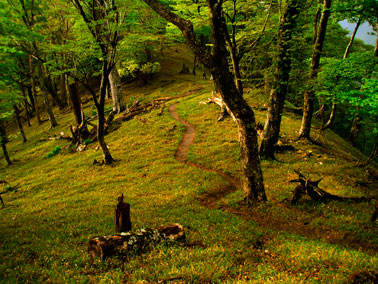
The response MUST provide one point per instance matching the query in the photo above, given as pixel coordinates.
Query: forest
(188, 141)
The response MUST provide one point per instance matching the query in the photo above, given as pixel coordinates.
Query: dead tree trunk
(129, 243)
(311, 188)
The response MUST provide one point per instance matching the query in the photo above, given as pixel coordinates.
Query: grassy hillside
(63, 201)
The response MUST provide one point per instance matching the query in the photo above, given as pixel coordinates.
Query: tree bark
(26, 106)
(217, 64)
(354, 130)
(108, 159)
(34, 92)
(376, 42)
(116, 90)
(19, 123)
(309, 94)
(76, 103)
(281, 81)
(49, 110)
(3, 140)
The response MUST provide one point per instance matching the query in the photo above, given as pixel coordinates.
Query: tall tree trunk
(34, 92)
(108, 159)
(3, 141)
(76, 102)
(309, 94)
(332, 115)
(31, 98)
(19, 123)
(281, 81)
(376, 42)
(217, 64)
(49, 110)
(347, 50)
(50, 87)
(116, 90)
(63, 90)
(26, 106)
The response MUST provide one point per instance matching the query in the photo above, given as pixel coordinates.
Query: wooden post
(122, 216)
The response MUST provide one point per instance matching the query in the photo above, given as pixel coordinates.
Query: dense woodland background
(89, 91)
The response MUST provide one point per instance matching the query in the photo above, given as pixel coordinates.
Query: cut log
(129, 243)
(122, 216)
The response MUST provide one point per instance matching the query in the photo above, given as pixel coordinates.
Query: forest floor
(183, 166)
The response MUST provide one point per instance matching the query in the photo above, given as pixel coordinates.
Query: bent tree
(103, 21)
(217, 65)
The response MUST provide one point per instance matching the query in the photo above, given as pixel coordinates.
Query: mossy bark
(281, 81)
(309, 94)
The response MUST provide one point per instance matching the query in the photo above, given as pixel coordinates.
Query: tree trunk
(26, 106)
(108, 159)
(217, 64)
(3, 140)
(116, 90)
(34, 92)
(331, 118)
(50, 113)
(63, 90)
(19, 123)
(49, 86)
(309, 94)
(281, 81)
(76, 103)
(376, 42)
(352, 38)
(31, 98)
(354, 130)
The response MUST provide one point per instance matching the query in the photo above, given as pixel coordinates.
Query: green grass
(64, 200)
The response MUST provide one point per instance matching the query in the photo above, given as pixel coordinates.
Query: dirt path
(210, 200)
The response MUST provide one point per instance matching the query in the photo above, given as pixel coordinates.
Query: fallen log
(311, 188)
(134, 242)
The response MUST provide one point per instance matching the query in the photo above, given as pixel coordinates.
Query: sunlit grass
(64, 200)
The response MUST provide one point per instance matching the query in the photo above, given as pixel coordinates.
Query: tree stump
(122, 216)
(129, 243)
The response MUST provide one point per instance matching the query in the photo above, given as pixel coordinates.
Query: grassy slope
(64, 200)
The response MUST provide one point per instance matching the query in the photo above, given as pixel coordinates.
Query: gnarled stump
(122, 216)
(128, 243)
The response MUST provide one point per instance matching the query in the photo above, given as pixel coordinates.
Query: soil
(271, 223)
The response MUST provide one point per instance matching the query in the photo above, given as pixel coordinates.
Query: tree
(309, 94)
(102, 20)
(217, 64)
(281, 80)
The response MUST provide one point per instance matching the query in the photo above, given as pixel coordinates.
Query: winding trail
(272, 223)
(208, 199)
